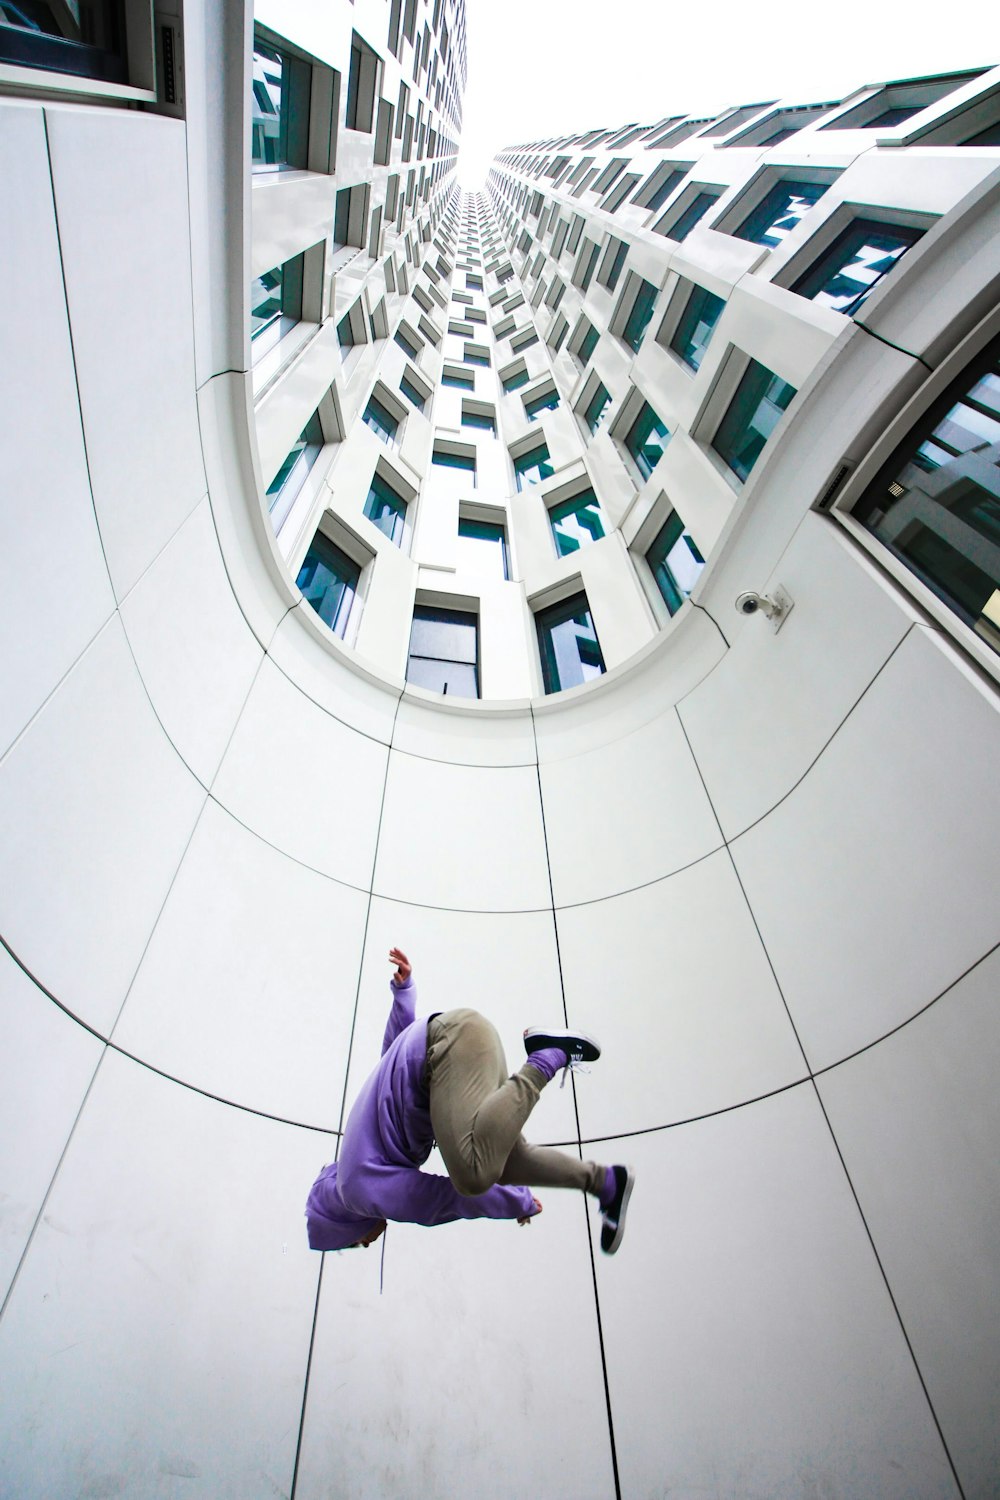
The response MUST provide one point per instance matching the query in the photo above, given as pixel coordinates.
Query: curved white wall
(764, 873)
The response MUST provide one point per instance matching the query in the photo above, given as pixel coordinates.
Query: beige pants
(477, 1111)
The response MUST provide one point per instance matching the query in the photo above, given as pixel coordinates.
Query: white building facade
(400, 532)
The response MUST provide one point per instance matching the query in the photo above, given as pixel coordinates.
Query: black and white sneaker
(577, 1046)
(613, 1217)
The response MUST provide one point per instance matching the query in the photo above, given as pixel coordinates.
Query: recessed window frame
(549, 614)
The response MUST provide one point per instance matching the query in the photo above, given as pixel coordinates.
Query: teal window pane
(444, 652)
(404, 343)
(489, 536)
(663, 192)
(445, 460)
(780, 211)
(937, 508)
(576, 523)
(285, 485)
(675, 562)
(752, 416)
(588, 344)
(646, 439)
(265, 301)
(269, 107)
(473, 357)
(597, 408)
(855, 263)
(480, 420)
(464, 382)
(532, 467)
(568, 647)
(380, 420)
(412, 394)
(692, 215)
(548, 401)
(328, 579)
(513, 382)
(386, 510)
(615, 269)
(696, 326)
(639, 316)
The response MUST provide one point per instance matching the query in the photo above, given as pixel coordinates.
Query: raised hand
(403, 966)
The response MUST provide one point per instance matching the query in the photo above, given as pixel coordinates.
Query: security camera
(775, 610)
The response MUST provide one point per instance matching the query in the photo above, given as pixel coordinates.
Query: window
(411, 392)
(696, 326)
(362, 85)
(674, 561)
(515, 380)
(465, 463)
(523, 340)
(855, 263)
(751, 417)
(290, 478)
(576, 522)
(475, 354)
(386, 510)
(380, 420)
(482, 548)
(780, 211)
(85, 39)
(279, 109)
(695, 211)
(646, 440)
(587, 344)
(596, 409)
(458, 378)
(533, 466)
(484, 418)
(546, 401)
(639, 315)
(474, 283)
(659, 185)
(567, 644)
(444, 651)
(275, 304)
(407, 345)
(328, 579)
(611, 266)
(938, 510)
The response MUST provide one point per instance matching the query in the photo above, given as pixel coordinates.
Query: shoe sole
(619, 1232)
(542, 1038)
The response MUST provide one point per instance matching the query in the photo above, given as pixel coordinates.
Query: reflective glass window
(936, 504)
(588, 344)
(269, 121)
(483, 548)
(855, 263)
(568, 647)
(780, 211)
(473, 356)
(597, 408)
(639, 315)
(285, 485)
(692, 215)
(576, 522)
(411, 393)
(547, 401)
(328, 579)
(513, 382)
(463, 382)
(380, 420)
(532, 467)
(405, 344)
(482, 420)
(751, 417)
(464, 462)
(696, 326)
(84, 37)
(646, 439)
(675, 562)
(444, 652)
(386, 510)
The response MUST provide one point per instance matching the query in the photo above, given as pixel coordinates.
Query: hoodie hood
(330, 1223)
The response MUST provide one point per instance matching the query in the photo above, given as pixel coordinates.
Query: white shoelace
(573, 1066)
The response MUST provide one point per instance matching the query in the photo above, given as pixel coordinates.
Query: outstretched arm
(404, 998)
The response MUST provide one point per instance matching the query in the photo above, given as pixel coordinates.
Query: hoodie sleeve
(413, 1197)
(404, 1010)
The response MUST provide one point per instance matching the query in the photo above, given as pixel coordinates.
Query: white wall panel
(625, 813)
(759, 720)
(674, 983)
(46, 1064)
(441, 732)
(157, 1338)
(874, 883)
(247, 987)
(917, 1119)
(304, 781)
(54, 587)
(768, 1360)
(194, 650)
(462, 836)
(96, 811)
(131, 320)
(307, 654)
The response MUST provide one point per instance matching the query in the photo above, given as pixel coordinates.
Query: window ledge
(39, 82)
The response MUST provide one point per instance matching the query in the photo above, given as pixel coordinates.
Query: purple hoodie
(388, 1136)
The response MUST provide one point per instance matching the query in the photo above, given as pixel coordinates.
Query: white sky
(557, 67)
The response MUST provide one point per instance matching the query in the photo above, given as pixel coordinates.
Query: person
(444, 1078)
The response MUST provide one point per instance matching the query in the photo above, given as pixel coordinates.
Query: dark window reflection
(84, 37)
